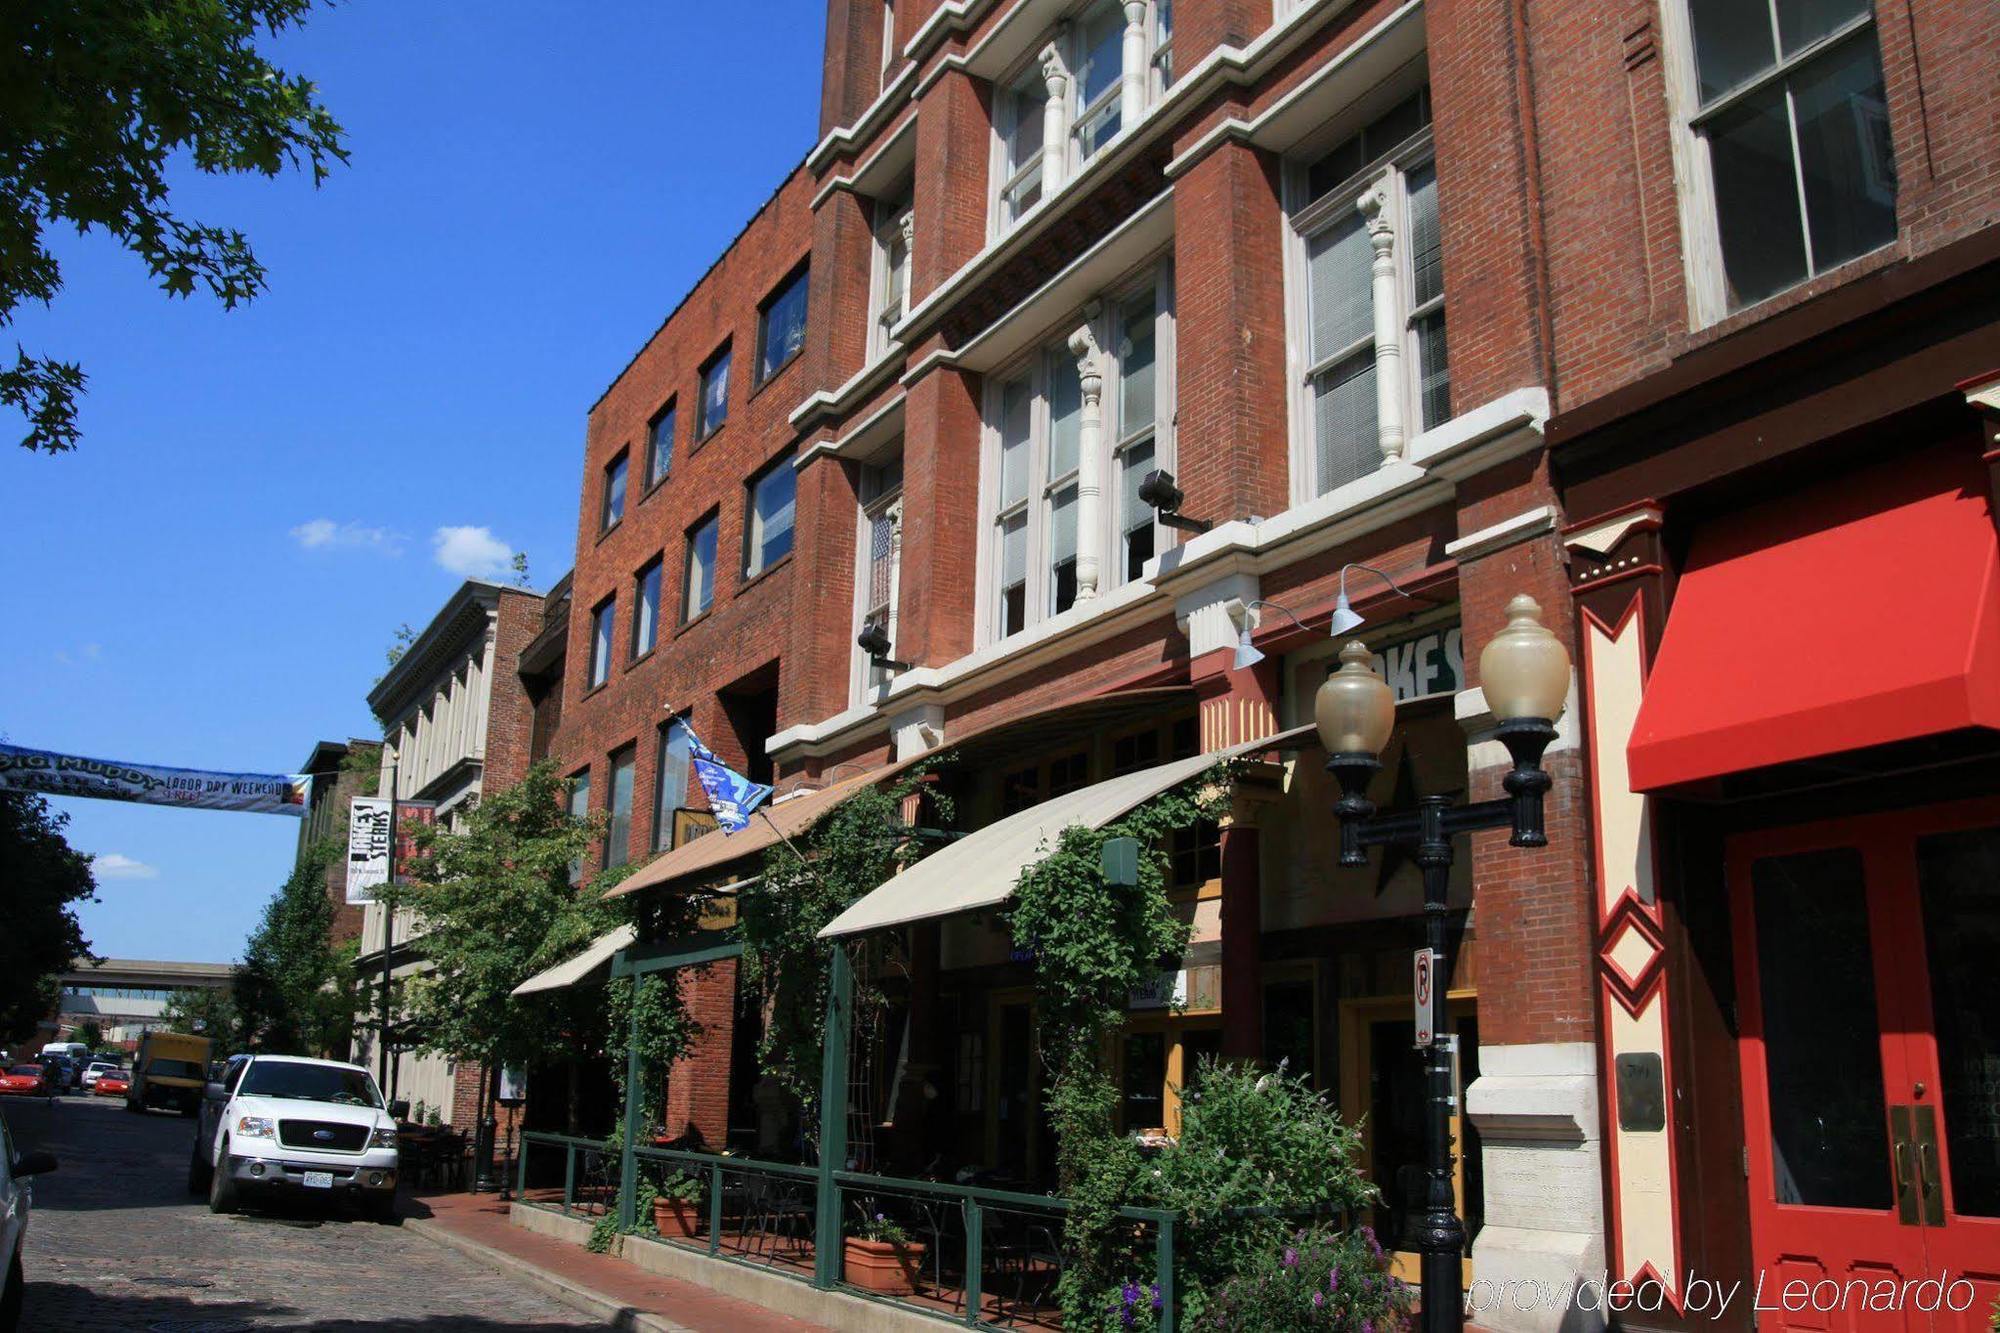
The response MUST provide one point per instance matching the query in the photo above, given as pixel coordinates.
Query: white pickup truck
(284, 1123)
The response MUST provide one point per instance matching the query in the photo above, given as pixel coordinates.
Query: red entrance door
(1868, 969)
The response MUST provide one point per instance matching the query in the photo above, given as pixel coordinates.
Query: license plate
(319, 1180)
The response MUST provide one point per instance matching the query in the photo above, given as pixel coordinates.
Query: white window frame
(1007, 177)
(888, 39)
(1304, 219)
(895, 217)
(865, 683)
(1694, 176)
(603, 636)
(1066, 37)
(1037, 366)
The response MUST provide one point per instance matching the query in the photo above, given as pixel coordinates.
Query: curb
(573, 1294)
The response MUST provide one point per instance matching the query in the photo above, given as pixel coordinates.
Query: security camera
(1159, 491)
(874, 640)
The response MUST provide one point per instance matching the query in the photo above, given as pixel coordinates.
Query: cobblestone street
(115, 1242)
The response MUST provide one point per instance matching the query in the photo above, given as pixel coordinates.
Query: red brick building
(1463, 293)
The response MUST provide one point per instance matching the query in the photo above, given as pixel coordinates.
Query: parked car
(113, 1083)
(170, 1070)
(282, 1123)
(59, 1072)
(96, 1069)
(15, 1198)
(26, 1081)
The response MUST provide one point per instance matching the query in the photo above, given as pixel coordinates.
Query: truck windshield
(310, 1083)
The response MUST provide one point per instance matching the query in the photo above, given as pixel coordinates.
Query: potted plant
(675, 1202)
(883, 1259)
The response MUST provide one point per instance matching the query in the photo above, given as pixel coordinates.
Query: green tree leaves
(42, 878)
(294, 994)
(98, 98)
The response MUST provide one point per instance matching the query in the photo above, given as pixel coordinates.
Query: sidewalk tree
(294, 993)
(496, 905)
(90, 1034)
(204, 1010)
(98, 103)
(42, 879)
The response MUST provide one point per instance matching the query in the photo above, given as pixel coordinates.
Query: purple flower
(1291, 1257)
(1319, 1299)
(1333, 1279)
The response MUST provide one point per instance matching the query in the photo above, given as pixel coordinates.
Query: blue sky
(210, 581)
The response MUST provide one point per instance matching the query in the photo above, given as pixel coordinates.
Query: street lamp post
(1525, 673)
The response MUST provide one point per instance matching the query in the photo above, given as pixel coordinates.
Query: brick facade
(1569, 290)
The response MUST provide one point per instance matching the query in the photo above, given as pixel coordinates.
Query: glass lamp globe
(1524, 668)
(1355, 710)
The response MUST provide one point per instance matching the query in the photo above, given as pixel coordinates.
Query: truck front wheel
(221, 1185)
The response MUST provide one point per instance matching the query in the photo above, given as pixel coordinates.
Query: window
(1020, 122)
(614, 494)
(1380, 178)
(894, 221)
(660, 446)
(713, 409)
(781, 325)
(698, 587)
(646, 609)
(618, 833)
(767, 535)
(600, 642)
(1041, 145)
(1135, 453)
(1793, 128)
(881, 521)
(670, 784)
(1099, 67)
(579, 808)
(1036, 425)
(1163, 46)
(888, 38)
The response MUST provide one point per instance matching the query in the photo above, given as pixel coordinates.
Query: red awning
(1859, 612)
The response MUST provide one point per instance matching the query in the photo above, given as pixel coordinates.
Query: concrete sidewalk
(621, 1294)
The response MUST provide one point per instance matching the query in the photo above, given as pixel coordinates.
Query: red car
(25, 1081)
(113, 1084)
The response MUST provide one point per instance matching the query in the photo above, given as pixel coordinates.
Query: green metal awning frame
(709, 946)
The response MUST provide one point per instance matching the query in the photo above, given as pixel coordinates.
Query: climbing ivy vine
(1092, 943)
(804, 886)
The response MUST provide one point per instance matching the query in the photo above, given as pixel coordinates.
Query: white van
(75, 1050)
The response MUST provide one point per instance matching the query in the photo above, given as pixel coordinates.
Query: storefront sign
(1168, 988)
(1425, 664)
(54, 774)
(367, 847)
(1423, 999)
(368, 821)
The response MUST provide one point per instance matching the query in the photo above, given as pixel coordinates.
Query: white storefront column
(1374, 206)
(1055, 119)
(1089, 446)
(1132, 74)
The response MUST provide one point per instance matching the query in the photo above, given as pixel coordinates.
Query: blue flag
(731, 796)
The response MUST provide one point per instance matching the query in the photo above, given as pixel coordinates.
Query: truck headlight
(255, 1127)
(383, 1137)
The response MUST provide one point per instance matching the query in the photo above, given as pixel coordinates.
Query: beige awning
(582, 967)
(788, 819)
(981, 869)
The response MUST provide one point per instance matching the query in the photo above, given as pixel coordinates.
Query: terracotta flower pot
(889, 1268)
(674, 1218)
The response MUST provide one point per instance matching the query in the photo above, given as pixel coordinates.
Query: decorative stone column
(1055, 118)
(1132, 76)
(1089, 446)
(1374, 206)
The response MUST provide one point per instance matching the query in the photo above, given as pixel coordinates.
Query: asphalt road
(116, 1242)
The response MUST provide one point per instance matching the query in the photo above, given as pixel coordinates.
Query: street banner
(367, 847)
(731, 796)
(368, 842)
(55, 774)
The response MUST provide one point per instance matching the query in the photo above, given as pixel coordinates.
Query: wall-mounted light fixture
(1345, 617)
(1159, 491)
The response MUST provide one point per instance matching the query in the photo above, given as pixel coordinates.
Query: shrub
(1316, 1279)
(1259, 1155)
